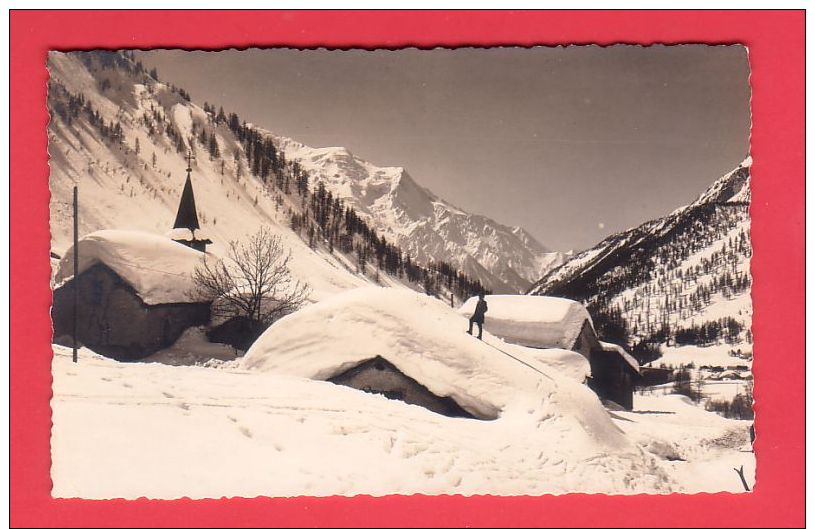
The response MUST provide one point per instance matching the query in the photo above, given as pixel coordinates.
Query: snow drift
(566, 363)
(159, 269)
(425, 339)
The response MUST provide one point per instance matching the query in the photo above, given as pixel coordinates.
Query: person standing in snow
(478, 315)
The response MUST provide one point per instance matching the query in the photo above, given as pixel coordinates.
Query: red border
(776, 43)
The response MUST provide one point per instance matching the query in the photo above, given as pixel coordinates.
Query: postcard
(505, 271)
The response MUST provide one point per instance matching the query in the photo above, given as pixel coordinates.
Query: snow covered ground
(699, 449)
(127, 430)
(713, 355)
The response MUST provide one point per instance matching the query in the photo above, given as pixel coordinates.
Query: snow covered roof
(630, 360)
(426, 340)
(158, 269)
(533, 321)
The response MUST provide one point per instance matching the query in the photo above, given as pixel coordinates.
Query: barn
(379, 376)
(403, 345)
(135, 294)
(545, 322)
(614, 374)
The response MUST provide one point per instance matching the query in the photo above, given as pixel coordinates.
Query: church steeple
(187, 216)
(186, 220)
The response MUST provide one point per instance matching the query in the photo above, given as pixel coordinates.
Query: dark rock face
(113, 319)
(377, 375)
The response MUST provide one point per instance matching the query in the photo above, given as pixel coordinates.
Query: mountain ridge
(680, 280)
(424, 223)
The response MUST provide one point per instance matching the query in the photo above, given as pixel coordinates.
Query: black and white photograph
(474, 271)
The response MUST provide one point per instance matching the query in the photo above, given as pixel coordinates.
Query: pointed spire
(187, 216)
(186, 220)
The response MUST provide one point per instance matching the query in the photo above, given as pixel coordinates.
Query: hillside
(682, 280)
(122, 135)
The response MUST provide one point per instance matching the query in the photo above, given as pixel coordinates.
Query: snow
(566, 363)
(614, 348)
(182, 115)
(186, 234)
(713, 355)
(159, 269)
(532, 321)
(122, 189)
(126, 430)
(422, 336)
(699, 448)
(505, 259)
(194, 421)
(723, 389)
(193, 348)
(130, 430)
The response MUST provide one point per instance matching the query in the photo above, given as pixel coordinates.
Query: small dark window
(394, 395)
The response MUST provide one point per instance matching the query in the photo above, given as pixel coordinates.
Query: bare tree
(254, 282)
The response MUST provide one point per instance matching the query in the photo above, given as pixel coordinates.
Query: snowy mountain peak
(732, 187)
(505, 259)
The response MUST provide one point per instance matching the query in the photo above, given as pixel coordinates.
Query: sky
(571, 143)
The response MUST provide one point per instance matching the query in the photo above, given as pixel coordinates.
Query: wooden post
(451, 301)
(76, 270)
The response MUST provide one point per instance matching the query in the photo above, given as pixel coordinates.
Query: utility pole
(76, 270)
